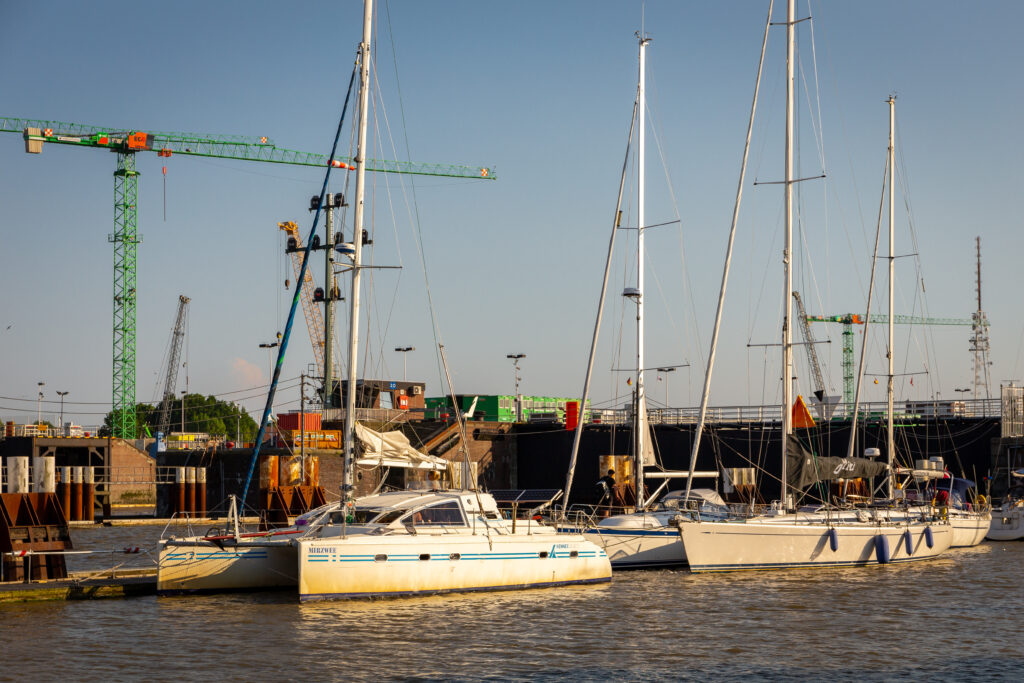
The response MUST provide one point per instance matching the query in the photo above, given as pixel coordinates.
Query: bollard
(190, 490)
(64, 492)
(76, 494)
(201, 492)
(88, 494)
(44, 474)
(17, 474)
(179, 490)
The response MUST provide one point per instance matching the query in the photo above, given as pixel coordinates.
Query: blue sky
(542, 92)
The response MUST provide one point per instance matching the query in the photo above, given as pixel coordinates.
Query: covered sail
(804, 468)
(392, 449)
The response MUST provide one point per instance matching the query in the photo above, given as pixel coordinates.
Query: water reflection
(955, 617)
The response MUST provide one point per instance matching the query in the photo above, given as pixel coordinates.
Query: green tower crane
(848, 320)
(126, 143)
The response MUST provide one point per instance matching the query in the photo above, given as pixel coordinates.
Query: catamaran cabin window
(446, 513)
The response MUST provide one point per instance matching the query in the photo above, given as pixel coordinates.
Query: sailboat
(818, 536)
(410, 542)
(648, 537)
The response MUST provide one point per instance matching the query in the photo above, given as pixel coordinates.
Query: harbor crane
(848, 320)
(173, 356)
(812, 353)
(126, 143)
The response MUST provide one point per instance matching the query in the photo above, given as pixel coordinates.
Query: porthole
(574, 553)
(380, 558)
(425, 556)
(454, 556)
(543, 554)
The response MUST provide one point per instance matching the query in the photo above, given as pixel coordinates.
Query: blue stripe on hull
(402, 594)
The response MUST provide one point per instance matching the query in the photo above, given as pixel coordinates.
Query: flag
(911, 381)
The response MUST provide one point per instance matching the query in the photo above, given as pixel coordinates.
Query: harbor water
(954, 618)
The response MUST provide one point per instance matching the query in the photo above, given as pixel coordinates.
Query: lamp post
(183, 393)
(665, 371)
(62, 394)
(515, 358)
(39, 403)
(404, 350)
(270, 362)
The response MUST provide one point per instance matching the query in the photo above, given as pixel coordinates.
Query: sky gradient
(542, 92)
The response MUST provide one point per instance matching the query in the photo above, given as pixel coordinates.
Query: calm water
(958, 617)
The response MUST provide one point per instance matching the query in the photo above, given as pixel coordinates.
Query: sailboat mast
(787, 256)
(357, 243)
(640, 433)
(889, 440)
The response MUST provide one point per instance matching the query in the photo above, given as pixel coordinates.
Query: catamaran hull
(198, 566)
(639, 549)
(364, 567)
(739, 545)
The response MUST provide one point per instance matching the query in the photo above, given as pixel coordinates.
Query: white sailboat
(819, 537)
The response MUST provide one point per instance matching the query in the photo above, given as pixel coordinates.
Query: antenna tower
(979, 340)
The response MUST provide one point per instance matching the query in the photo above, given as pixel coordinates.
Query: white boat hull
(969, 528)
(639, 548)
(194, 565)
(363, 566)
(762, 544)
(1007, 524)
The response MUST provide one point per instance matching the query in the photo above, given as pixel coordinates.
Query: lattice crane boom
(304, 290)
(812, 353)
(174, 355)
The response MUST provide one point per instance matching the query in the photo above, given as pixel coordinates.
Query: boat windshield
(367, 516)
(444, 514)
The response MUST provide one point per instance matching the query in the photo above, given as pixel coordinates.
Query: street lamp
(39, 403)
(665, 371)
(270, 362)
(404, 350)
(62, 394)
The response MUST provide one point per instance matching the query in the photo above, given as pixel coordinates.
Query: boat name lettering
(314, 550)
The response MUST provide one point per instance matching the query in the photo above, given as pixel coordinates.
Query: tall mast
(357, 242)
(890, 443)
(787, 256)
(641, 400)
